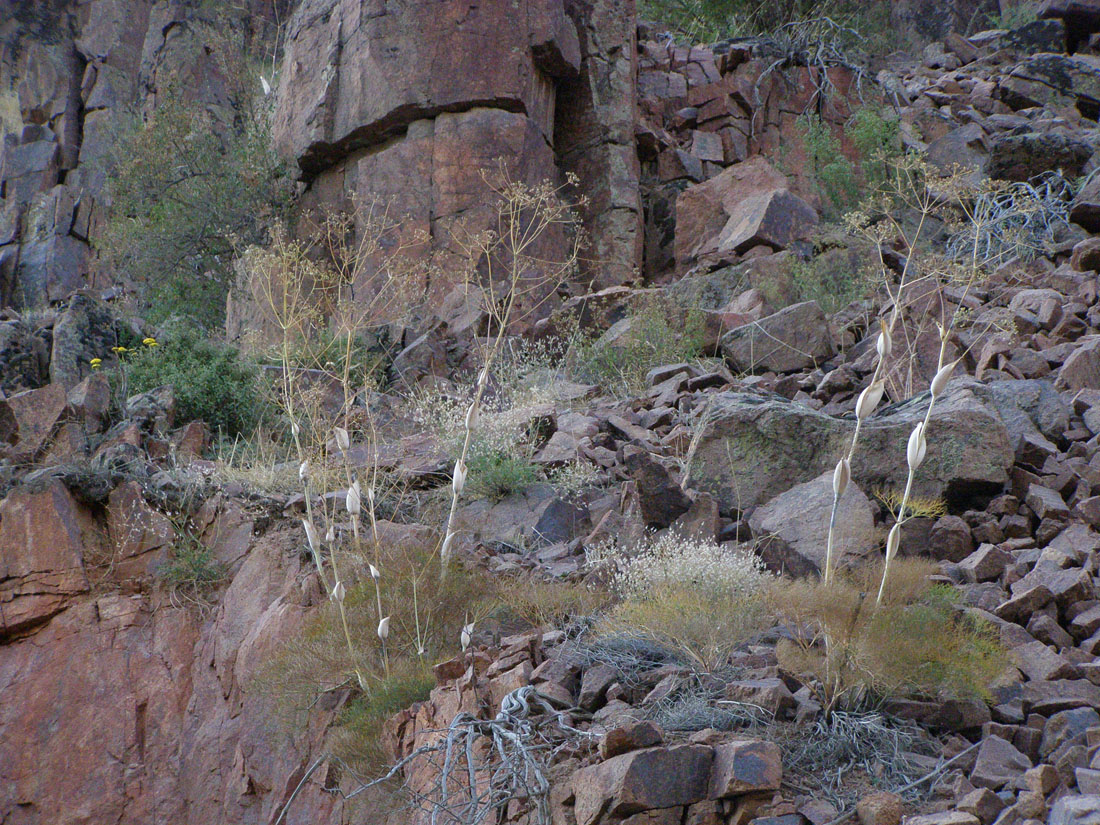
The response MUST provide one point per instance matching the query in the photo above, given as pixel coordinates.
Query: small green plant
(834, 173)
(192, 568)
(212, 382)
(496, 474)
(659, 333)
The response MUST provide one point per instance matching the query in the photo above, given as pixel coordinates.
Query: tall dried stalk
(515, 283)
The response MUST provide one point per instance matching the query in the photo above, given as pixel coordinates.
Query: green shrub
(877, 138)
(211, 381)
(188, 187)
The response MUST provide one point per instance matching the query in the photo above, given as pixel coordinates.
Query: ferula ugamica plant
(915, 453)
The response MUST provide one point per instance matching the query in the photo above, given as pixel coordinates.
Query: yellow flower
(95, 362)
(119, 350)
(149, 342)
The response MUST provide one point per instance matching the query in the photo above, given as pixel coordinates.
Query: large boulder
(24, 358)
(1086, 206)
(642, 780)
(1055, 79)
(747, 204)
(84, 330)
(757, 446)
(795, 338)
(341, 90)
(791, 528)
(1020, 157)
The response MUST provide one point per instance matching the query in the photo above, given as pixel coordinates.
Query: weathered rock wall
(71, 74)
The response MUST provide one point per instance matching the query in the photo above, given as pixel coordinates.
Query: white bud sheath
(311, 535)
(384, 629)
(884, 345)
(294, 428)
(917, 447)
(892, 541)
(330, 535)
(483, 377)
(303, 471)
(370, 494)
(459, 480)
(374, 574)
(466, 635)
(869, 398)
(352, 500)
(939, 383)
(343, 440)
(841, 476)
(471, 416)
(445, 550)
(338, 592)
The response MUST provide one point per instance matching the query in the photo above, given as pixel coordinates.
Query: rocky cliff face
(424, 105)
(71, 76)
(121, 703)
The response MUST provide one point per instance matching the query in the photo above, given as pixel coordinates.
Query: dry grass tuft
(914, 643)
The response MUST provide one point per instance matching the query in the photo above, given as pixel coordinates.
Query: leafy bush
(877, 139)
(188, 186)
(211, 380)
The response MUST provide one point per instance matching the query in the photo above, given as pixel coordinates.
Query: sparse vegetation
(655, 333)
(191, 569)
(698, 598)
(705, 21)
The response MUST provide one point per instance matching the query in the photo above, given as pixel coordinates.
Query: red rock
(703, 211)
(43, 539)
(880, 808)
(745, 767)
(1086, 255)
(135, 530)
(37, 413)
(998, 763)
(797, 337)
(642, 780)
(631, 737)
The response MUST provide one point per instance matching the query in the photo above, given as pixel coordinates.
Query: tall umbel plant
(511, 275)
